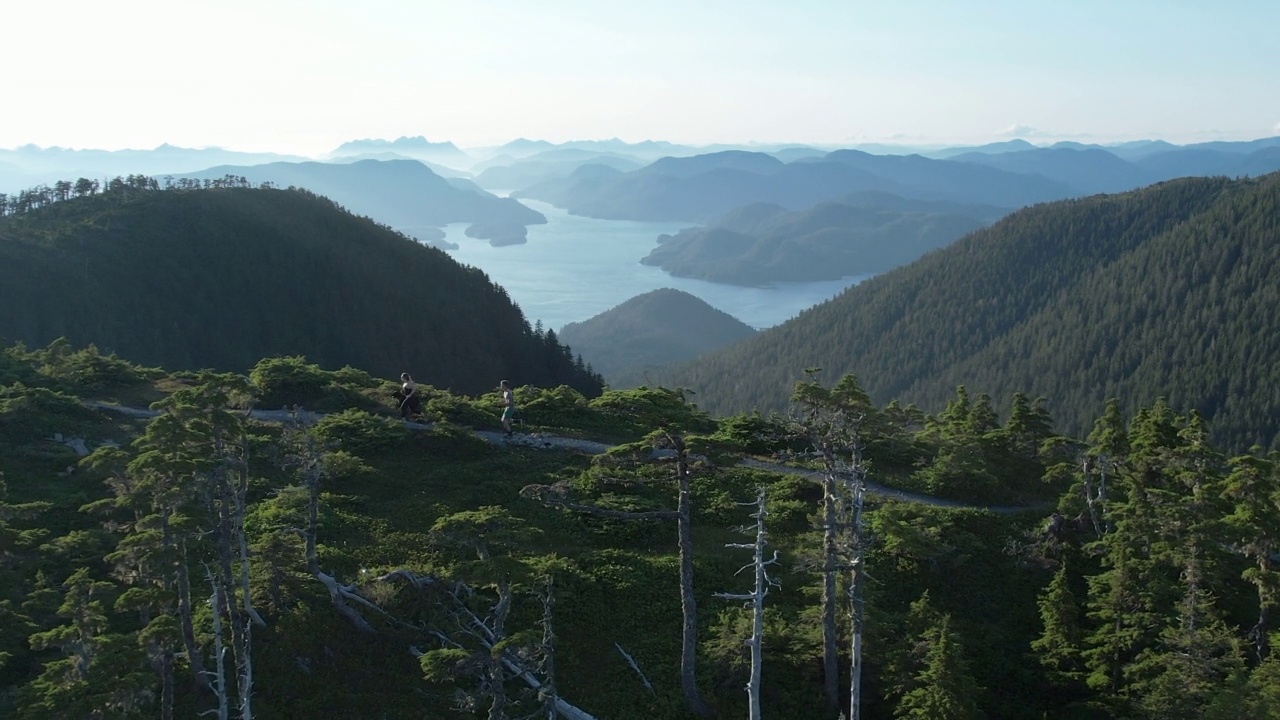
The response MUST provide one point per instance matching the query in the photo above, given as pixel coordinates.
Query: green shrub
(361, 432)
(287, 381)
(16, 365)
(561, 407)
(87, 369)
(442, 405)
(28, 413)
(752, 433)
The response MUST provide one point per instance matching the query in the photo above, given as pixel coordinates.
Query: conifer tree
(1127, 600)
(943, 688)
(1253, 526)
(1195, 655)
(1249, 696)
(101, 673)
(1058, 647)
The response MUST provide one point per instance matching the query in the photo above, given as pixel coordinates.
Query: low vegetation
(362, 567)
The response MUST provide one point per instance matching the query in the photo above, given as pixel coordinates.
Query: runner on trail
(508, 407)
(410, 401)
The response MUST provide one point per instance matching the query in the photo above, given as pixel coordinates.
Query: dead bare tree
(547, 666)
(756, 598)
(853, 547)
(831, 420)
(219, 649)
(675, 447)
(229, 480)
(456, 596)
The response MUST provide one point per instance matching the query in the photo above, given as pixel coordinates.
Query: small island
(499, 234)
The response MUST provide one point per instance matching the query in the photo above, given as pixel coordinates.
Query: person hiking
(508, 407)
(410, 401)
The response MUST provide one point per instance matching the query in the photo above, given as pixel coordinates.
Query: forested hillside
(1167, 291)
(207, 560)
(226, 274)
(660, 326)
(828, 241)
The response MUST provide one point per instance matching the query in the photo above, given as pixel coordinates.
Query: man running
(410, 401)
(508, 407)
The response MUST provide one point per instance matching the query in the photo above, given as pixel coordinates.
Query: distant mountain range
(29, 165)
(703, 187)
(1013, 174)
(1092, 170)
(1167, 291)
(441, 170)
(660, 326)
(863, 234)
(417, 148)
(507, 173)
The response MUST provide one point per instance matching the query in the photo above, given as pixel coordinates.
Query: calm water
(574, 268)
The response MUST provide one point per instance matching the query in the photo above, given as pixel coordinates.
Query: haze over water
(574, 268)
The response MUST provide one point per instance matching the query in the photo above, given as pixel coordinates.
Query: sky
(304, 76)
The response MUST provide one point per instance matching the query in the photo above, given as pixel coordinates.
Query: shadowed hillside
(761, 243)
(657, 327)
(222, 277)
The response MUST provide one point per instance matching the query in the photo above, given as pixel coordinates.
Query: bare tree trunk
(757, 624)
(855, 595)
(762, 583)
(830, 563)
(548, 692)
(226, 582)
(195, 659)
(313, 512)
(166, 684)
(169, 579)
(1260, 631)
(497, 675)
(689, 607)
(232, 480)
(246, 663)
(219, 650)
(757, 603)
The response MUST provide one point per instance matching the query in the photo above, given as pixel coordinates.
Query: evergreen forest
(168, 551)
(220, 273)
(1168, 291)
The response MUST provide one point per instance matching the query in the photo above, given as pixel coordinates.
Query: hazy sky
(304, 76)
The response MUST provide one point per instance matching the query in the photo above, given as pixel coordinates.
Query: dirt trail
(549, 442)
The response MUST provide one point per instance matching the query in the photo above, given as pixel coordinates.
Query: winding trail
(591, 447)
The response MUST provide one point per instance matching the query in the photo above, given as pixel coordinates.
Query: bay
(574, 268)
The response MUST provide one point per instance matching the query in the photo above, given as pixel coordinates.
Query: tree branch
(553, 496)
(631, 661)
